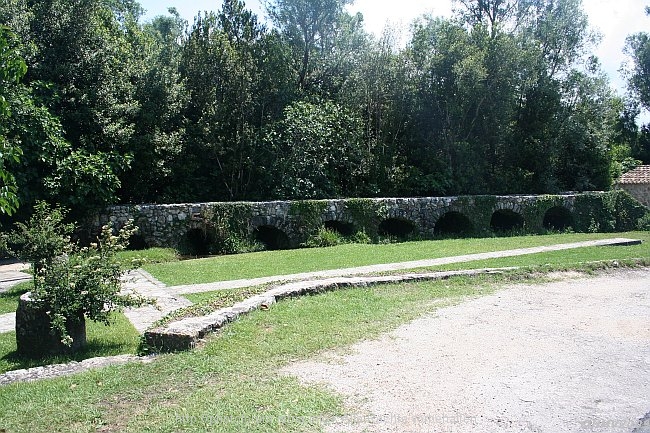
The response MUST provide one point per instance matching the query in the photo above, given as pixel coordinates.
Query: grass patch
(9, 298)
(229, 385)
(268, 263)
(567, 259)
(119, 338)
(148, 256)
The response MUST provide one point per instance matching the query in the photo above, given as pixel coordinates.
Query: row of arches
(452, 223)
(456, 223)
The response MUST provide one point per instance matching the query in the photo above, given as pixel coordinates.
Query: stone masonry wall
(641, 192)
(166, 224)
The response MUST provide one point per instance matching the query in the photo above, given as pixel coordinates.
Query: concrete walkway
(171, 298)
(11, 274)
(142, 283)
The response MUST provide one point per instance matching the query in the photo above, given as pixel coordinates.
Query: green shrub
(226, 231)
(70, 280)
(324, 238)
(360, 237)
(644, 222)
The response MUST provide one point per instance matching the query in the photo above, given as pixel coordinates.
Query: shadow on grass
(118, 339)
(9, 297)
(16, 361)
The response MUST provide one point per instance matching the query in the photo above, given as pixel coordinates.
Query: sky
(614, 20)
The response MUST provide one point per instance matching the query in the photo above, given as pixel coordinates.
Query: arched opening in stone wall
(397, 227)
(137, 243)
(272, 237)
(505, 220)
(340, 227)
(453, 224)
(558, 218)
(196, 242)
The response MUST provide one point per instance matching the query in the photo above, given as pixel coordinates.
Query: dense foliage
(502, 98)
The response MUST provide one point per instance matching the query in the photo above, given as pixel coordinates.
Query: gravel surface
(567, 356)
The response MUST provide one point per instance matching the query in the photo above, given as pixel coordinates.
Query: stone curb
(184, 334)
(58, 370)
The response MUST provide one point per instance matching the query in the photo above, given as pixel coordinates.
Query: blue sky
(613, 19)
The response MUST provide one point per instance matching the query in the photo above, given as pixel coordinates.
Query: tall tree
(309, 27)
(12, 69)
(81, 66)
(159, 125)
(638, 48)
(231, 93)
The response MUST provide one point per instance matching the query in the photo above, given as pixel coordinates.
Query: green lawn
(229, 385)
(270, 263)
(9, 298)
(120, 338)
(148, 256)
(561, 260)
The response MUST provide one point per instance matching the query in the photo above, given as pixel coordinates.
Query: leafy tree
(81, 68)
(72, 283)
(12, 69)
(319, 152)
(638, 48)
(159, 125)
(310, 28)
(222, 66)
(379, 90)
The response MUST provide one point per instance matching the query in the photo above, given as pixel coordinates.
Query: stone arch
(137, 242)
(272, 237)
(453, 223)
(196, 242)
(400, 228)
(341, 227)
(504, 220)
(558, 218)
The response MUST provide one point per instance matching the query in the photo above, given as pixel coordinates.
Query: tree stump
(34, 335)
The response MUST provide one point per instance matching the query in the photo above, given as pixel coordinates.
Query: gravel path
(568, 356)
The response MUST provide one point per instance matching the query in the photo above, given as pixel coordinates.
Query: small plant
(70, 282)
(594, 226)
(361, 237)
(324, 238)
(43, 238)
(644, 222)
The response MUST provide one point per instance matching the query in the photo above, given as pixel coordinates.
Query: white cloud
(616, 21)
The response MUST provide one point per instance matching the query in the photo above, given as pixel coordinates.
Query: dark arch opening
(558, 218)
(196, 242)
(342, 228)
(505, 220)
(398, 227)
(272, 237)
(137, 243)
(454, 224)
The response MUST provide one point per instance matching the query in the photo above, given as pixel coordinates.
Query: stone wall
(167, 224)
(640, 191)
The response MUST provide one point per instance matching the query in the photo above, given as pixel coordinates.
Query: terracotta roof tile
(639, 175)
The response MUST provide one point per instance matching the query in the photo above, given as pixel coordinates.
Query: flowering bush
(72, 281)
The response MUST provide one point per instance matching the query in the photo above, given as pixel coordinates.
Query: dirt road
(567, 356)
